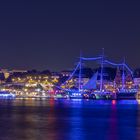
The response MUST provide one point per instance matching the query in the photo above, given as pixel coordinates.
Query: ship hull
(129, 95)
(75, 95)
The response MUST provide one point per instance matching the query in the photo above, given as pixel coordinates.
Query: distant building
(55, 75)
(66, 73)
(137, 73)
(18, 71)
(137, 77)
(6, 73)
(137, 81)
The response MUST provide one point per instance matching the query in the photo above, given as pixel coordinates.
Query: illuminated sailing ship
(90, 88)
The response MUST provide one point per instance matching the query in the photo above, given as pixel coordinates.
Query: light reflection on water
(69, 119)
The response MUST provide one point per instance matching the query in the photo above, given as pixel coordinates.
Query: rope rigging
(94, 59)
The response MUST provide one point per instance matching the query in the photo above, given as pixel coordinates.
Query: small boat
(61, 96)
(127, 94)
(88, 95)
(4, 94)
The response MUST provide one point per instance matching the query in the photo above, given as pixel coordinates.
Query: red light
(114, 102)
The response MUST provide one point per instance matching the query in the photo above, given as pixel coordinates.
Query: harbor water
(66, 119)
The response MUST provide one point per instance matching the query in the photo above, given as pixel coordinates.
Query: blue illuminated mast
(123, 75)
(80, 71)
(101, 74)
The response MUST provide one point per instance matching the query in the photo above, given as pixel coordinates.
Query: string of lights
(120, 64)
(112, 63)
(72, 74)
(95, 59)
(128, 69)
(91, 59)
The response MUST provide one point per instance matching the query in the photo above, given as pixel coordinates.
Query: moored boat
(127, 94)
(4, 94)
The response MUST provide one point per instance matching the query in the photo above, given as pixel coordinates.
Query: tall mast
(80, 70)
(123, 75)
(101, 75)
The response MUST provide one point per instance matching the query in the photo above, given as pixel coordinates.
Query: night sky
(50, 35)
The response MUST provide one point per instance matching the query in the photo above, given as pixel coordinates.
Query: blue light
(95, 58)
(6, 95)
(71, 74)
